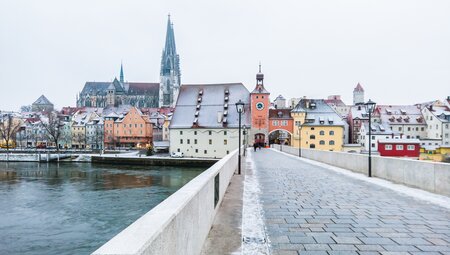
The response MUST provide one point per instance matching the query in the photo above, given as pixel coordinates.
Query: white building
(280, 102)
(437, 117)
(407, 120)
(378, 132)
(205, 121)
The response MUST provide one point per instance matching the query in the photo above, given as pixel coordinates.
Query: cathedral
(139, 94)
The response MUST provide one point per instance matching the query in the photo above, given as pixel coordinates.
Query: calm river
(74, 208)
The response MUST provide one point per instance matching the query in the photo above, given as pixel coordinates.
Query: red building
(399, 148)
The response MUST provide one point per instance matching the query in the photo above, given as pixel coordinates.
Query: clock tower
(260, 103)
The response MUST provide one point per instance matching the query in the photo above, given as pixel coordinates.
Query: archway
(280, 136)
(260, 139)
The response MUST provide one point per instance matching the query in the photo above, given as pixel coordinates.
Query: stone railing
(181, 223)
(429, 176)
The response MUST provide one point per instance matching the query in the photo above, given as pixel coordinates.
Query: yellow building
(319, 126)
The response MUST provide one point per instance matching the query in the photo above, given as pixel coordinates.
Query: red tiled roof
(280, 114)
(359, 88)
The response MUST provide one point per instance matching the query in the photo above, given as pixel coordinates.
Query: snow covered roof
(210, 106)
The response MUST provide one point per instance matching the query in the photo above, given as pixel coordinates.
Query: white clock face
(260, 106)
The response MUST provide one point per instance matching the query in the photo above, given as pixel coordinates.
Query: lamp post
(240, 110)
(299, 125)
(370, 106)
(245, 138)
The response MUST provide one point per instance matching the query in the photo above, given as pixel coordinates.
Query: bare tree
(8, 129)
(53, 127)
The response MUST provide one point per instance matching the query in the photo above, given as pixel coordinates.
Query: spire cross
(259, 66)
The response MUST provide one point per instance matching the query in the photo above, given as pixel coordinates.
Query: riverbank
(152, 161)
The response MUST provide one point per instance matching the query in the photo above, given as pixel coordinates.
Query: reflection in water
(75, 208)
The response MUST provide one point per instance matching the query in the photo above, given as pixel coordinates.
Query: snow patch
(255, 239)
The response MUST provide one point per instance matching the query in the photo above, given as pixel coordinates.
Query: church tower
(358, 95)
(170, 70)
(260, 103)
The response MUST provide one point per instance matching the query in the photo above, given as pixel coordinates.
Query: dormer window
(225, 106)
(199, 99)
(226, 99)
(198, 107)
(227, 92)
(200, 92)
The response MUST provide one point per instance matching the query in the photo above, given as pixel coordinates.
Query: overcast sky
(399, 50)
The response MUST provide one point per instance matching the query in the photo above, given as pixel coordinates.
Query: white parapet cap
(405, 141)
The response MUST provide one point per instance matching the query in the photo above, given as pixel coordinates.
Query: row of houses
(91, 128)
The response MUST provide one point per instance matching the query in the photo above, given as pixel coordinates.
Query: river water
(74, 208)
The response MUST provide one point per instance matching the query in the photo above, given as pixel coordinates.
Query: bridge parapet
(181, 223)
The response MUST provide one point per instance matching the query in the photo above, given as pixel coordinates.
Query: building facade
(317, 126)
(129, 130)
(205, 122)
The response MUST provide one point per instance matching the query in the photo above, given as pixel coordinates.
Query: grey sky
(398, 49)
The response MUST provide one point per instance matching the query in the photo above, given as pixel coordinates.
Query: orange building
(281, 125)
(132, 130)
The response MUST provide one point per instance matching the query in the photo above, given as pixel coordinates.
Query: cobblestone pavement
(313, 210)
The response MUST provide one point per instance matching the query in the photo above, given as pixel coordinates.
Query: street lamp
(370, 106)
(240, 110)
(245, 139)
(299, 125)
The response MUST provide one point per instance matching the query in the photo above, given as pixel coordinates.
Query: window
(322, 132)
(195, 132)
(135, 125)
(284, 123)
(205, 151)
(399, 147)
(181, 141)
(399, 128)
(312, 128)
(196, 150)
(411, 147)
(331, 132)
(422, 128)
(312, 137)
(181, 132)
(312, 146)
(322, 142)
(178, 149)
(188, 141)
(275, 122)
(331, 142)
(388, 147)
(210, 141)
(130, 125)
(373, 145)
(225, 132)
(228, 152)
(210, 132)
(195, 141)
(409, 129)
(225, 142)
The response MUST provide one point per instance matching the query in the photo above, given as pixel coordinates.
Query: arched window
(331, 142)
(322, 132)
(322, 142)
(312, 137)
(331, 132)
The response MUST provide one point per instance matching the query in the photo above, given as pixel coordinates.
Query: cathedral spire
(170, 69)
(122, 79)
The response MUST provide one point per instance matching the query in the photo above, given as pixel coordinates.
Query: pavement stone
(312, 210)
